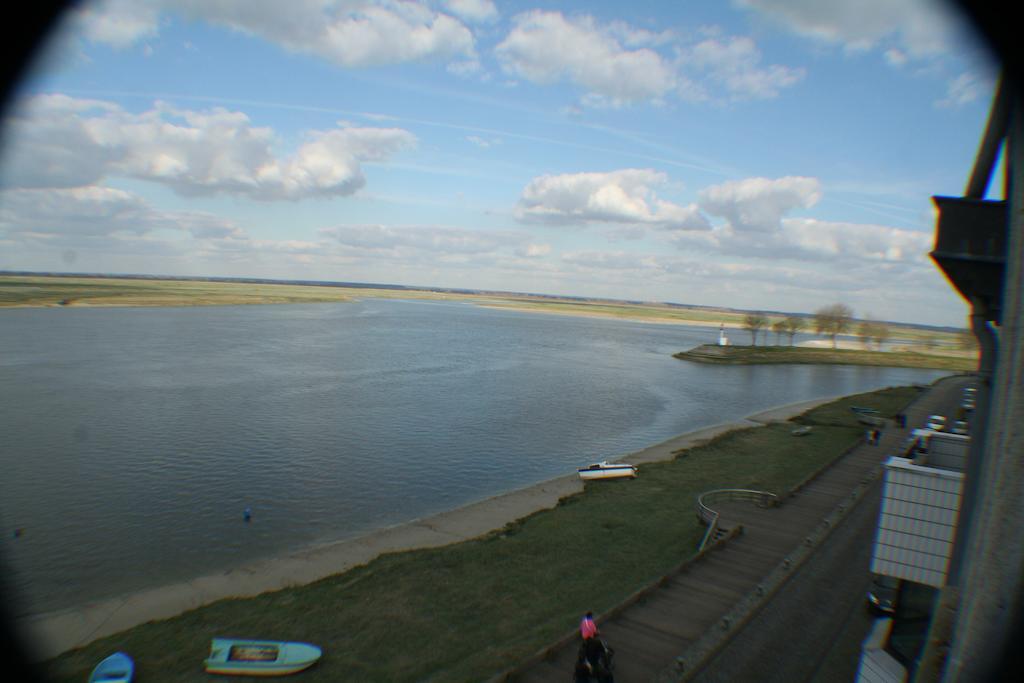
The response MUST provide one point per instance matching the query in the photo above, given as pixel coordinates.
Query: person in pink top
(588, 629)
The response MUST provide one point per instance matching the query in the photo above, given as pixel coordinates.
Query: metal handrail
(708, 516)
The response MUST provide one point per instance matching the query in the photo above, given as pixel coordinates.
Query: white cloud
(923, 32)
(98, 212)
(546, 47)
(534, 250)
(399, 32)
(617, 64)
(757, 227)
(919, 27)
(758, 204)
(861, 242)
(57, 141)
(734, 64)
(612, 260)
(964, 89)
(467, 68)
(623, 196)
(423, 242)
(482, 11)
(483, 143)
(119, 23)
(350, 33)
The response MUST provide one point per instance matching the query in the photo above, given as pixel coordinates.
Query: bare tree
(779, 328)
(881, 333)
(754, 322)
(833, 320)
(794, 324)
(873, 331)
(864, 331)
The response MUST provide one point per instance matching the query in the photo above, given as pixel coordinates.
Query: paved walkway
(685, 617)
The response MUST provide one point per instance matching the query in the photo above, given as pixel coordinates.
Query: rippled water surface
(134, 439)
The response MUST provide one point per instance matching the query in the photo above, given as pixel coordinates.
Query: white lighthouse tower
(722, 339)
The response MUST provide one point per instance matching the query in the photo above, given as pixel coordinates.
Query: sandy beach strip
(57, 632)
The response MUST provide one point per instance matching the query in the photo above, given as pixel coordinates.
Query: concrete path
(692, 613)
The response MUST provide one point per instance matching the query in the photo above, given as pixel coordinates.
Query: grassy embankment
(759, 355)
(643, 312)
(59, 291)
(469, 610)
(21, 291)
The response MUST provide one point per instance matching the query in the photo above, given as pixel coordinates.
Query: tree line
(830, 321)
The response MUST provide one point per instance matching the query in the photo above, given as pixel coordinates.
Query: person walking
(588, 629)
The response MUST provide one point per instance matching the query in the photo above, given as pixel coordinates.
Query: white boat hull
(604, 470)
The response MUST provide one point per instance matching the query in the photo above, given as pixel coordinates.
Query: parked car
(970, 399)
(882, 594)
(959, 427)
(936, 422)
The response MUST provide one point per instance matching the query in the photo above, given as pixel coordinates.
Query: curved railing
(708, 516)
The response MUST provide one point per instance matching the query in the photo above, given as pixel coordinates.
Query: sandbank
(650, 319)
(57, 632)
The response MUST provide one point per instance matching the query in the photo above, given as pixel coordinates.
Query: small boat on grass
(117, 668)
(606, 470)
(237, 657)
(801, 431)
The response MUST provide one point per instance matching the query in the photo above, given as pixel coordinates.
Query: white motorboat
(607, 470)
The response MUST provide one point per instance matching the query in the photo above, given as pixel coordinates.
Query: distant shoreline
(20, 290)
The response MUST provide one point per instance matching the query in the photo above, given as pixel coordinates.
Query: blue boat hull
(117, 668)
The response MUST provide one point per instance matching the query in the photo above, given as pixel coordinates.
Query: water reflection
(136, 438)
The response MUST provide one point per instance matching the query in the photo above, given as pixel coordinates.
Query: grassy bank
(628, 311)
(466, 611)
(61, 291)
(756, 355)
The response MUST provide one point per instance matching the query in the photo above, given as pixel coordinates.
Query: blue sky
(759, 154)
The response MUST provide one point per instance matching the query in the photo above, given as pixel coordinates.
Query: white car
(936, 422)
(959, 427)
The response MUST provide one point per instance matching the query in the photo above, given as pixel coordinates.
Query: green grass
(755, 355)
(469, 610)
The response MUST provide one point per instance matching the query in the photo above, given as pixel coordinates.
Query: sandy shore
(57, 632)
(656, 320)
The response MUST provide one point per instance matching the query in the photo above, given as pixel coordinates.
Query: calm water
(133, 439)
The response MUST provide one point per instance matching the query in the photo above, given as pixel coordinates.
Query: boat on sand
(606, 470)
(117, 668)
(238, 657)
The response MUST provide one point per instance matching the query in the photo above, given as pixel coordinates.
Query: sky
(756, 154)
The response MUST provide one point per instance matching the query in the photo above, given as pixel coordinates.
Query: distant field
(644, 312)
(100, 291)
(757, 355)
(66, 291)
(58, 291)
